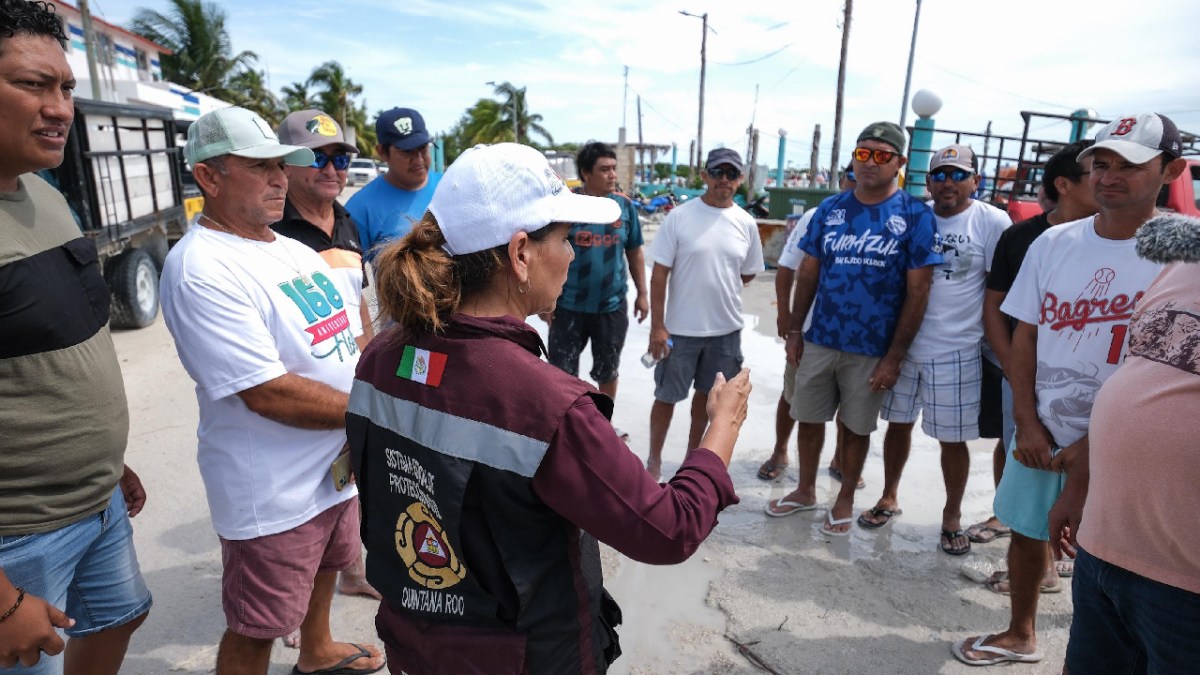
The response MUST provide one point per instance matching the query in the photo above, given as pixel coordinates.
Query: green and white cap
(237, 131)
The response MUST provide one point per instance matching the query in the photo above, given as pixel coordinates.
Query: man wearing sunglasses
(386, 209)
(866, 277)
(704, 253)
(940, 377)
(313, 216)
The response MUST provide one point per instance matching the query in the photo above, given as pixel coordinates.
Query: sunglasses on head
(880, 156)
(721, 172)
(340, 162)
(957, 175)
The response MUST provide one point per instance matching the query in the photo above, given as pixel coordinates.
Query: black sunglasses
(730, 173)
(341, 162)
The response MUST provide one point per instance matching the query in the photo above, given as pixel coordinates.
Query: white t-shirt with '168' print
(243, 313)
(1080, 290)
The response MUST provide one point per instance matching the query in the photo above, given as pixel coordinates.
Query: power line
(755, 60)
(988, 86)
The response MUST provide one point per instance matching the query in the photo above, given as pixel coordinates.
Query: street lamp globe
(926, 103)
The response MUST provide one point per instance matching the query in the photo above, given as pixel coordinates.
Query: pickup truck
(122, 177)
(1012, 165)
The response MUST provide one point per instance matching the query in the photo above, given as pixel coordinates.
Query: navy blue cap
(401, 128)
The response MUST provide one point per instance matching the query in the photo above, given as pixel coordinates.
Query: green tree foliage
(248, 89)
(296, 96)
(527, 123)
(335, 90)
(202, 57)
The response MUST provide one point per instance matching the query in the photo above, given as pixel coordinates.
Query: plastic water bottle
(648, 359)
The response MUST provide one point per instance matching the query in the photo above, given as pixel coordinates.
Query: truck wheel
(133, 281)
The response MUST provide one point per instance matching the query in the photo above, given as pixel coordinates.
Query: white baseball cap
(1138, 138)
(492, 192)
(239, 132)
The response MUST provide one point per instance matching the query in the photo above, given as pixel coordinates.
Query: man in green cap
(866, 277)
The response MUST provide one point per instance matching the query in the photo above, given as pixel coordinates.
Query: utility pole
(834, 165)
(641, 143)
(89, 39)
(814, 161)
(625, 98)
(703, 64)
(912, 50)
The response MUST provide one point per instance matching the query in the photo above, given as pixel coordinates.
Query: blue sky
(987, 60)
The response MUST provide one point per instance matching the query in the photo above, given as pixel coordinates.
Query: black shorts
(991, 402)
(570, 331)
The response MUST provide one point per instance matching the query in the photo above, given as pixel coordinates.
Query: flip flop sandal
(981, 533)
(343, 667)
(770, 470)
(831, 522)
(950, 536)
(1002, 655)
(876, 512)
(789, 507)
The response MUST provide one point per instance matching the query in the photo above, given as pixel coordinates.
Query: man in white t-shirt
(267, 335)
(704, 253)
(941, 374)
(1078, 287)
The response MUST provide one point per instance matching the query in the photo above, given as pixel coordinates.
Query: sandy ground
(876, 602)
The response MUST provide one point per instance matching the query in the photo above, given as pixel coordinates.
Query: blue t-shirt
(385, 212)
(596, 279)
(865, 253)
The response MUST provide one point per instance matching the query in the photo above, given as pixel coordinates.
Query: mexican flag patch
(422, 365)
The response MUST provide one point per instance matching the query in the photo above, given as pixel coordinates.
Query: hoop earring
(528, 285)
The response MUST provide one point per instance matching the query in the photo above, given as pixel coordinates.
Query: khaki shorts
(829, 380)
(789, 381)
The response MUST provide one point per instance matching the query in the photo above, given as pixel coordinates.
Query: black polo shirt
(345, 232)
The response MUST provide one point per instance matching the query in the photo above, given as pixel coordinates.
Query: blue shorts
(88, 569)
(696, 361)
(1025, 496)
(1126, 623)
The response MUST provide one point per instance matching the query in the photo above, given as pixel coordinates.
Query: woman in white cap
(486, 474)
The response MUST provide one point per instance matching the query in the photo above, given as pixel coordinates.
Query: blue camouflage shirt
(865, 252)
(596, 280)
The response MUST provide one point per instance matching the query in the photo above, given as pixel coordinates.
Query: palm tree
(249, 90)
(337, 90)
(202, 57)
(514, 103)
(297, 97)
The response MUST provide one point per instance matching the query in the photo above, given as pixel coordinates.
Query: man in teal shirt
(593, 306)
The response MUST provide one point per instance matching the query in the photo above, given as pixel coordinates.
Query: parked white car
(362, 171)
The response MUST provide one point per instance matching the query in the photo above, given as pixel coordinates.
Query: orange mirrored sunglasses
(880, 156)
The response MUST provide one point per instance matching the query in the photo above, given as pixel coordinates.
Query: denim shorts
(1025, 496)
(88, 569)
(695, 361)
(1126, 623)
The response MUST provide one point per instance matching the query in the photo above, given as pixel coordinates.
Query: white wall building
(129, 68)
